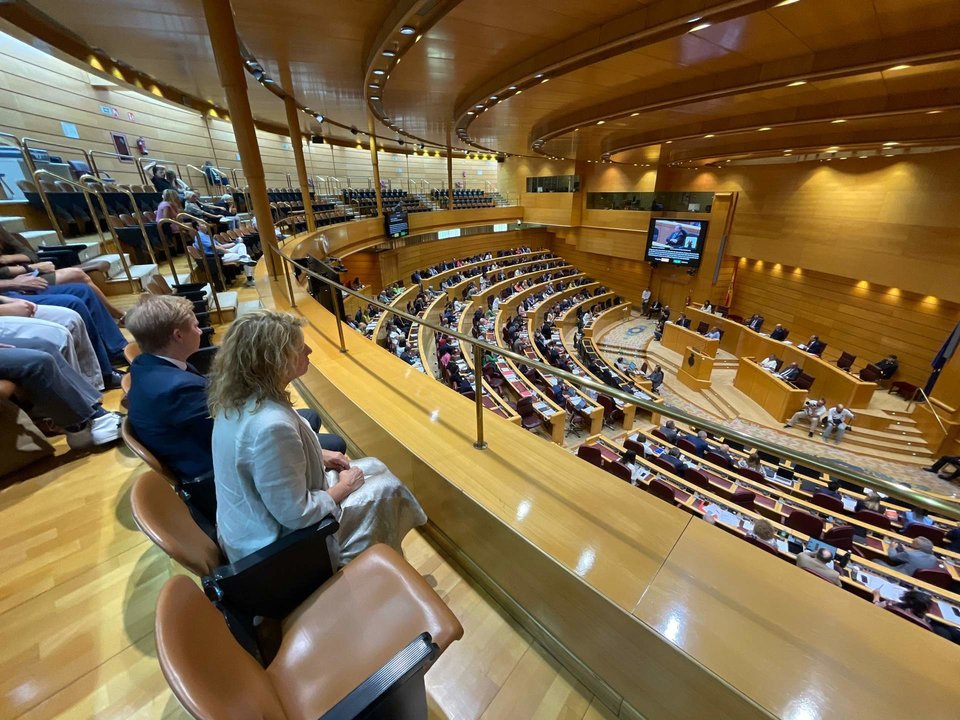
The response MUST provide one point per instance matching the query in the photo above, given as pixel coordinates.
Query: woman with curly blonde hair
(271, 474)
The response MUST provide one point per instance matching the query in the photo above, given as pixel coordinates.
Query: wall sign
(130, 117)
(105, 109)
(69, 130)
(120, 143)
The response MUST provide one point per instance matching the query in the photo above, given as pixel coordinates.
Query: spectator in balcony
(271, 473)
(214, 176)
(158, 176)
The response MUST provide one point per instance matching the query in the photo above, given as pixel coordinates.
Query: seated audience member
(107, 340)
(918, 515)
(790, 373)
(271, 473)
(672, 457)
(724, 452)
(764, 531)
(914, 602)
(707, 306)
(214, 176)
(888, 366)
(665, 314)
(917, 556)
(832, 489)
(18, 258)
(61, 326)
(658, 330)
(656, 378)
(714, 333)
(755, 322)
(770, 363)
(637, 471)
(168, 397)
(235, 252)
(813, 345)
(168, 209)
(751, 462)
(683, 321)
(819, 564)
(158, 177)
(57, 392)
(669, 429)
(192, 206)
(699, 442)
(624, 367)
(654, 309)
(779, 332)
(811, 412)
(952, 541)
(176, 183)
(938, 466)
(838, 420)
(870, 501)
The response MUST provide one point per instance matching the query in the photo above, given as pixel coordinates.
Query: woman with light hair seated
(272, 476)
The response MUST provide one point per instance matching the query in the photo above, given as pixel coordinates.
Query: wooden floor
(78, 586)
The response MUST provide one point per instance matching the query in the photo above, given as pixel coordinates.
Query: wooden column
(296, 142)
(449, 171)
(376, 164)
(226, 50)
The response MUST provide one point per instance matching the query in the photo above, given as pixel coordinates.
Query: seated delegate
(812, 411)
(272, 475)
(167, 402)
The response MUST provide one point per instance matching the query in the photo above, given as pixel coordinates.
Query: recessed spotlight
(600, 122)
(698, 18)
(934, 112)
(375, 86)
(518, 92)
(512, 87)
(470, 112)
(538, 76)
(407, 30)
(837, 121)
(701, 26)
(493, 97)
(889, 144)
(782, 3)
(797, 83)
(378, 71)
(544, 80)
(374, 97)
(668, 142)
(389, 53)
(888, 156)
(897, 67)
(418, 38)
(709, 136)
(763, 129)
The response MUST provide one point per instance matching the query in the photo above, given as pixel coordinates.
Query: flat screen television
(395, 222)
(676, 241)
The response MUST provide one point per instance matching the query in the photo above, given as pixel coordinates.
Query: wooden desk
(777, 397)
(607, 318)
(830, 382)
(678, 339)
(695, 376)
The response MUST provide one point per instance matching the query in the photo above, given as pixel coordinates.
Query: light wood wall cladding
(562, 209)
(400, 264)
(38, 91)
(867, 320)
(627, 276)
(892, 221)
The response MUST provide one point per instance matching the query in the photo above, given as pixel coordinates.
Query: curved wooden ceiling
(682, 80)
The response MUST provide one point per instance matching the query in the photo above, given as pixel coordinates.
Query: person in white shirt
(812, 411)
(838, 420)
(770, 363)
(714, 333)
(645, 300)
(707, 307)
(496, 304)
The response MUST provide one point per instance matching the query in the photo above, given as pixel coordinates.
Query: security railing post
(343, 344)
(478, 392)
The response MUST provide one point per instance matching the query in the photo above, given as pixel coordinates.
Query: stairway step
(36, 238)
(13, 223)
(141, 275)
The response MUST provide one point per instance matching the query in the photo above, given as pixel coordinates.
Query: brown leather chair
(138, 449)
(130, 351)
(375, 616)
(166, 520)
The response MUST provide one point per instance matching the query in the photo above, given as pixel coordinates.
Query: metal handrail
(143, 229)
(926, 399)
(106, 215)
(206, 265)
(104, 153)
(31, 167)
(206, 180)
(885, 486)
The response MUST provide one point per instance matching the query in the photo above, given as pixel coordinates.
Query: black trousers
(328, 441)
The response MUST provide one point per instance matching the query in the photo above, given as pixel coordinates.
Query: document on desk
(722, 515)
(949, 612)
(888, 590)
(849, 504)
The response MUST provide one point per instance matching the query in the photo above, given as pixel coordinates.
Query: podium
(695, 369)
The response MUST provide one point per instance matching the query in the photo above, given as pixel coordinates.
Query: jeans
(108, 342)
(55, 389)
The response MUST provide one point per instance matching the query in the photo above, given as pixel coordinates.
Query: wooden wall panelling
(628, 277)
(866, 320)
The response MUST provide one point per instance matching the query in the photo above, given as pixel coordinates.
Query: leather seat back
(166, 519)
(208, 671)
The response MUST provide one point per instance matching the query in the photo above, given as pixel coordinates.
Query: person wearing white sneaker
(229, 253)
(58, 392)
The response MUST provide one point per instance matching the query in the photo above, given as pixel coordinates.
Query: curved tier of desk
(655, 611)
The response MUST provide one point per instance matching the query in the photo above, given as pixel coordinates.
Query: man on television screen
(677, 237)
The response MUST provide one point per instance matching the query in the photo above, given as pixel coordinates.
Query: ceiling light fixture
(934, 112)
(538, 76)
(374, 97)
(698, 18)
(470, 112)
(763, 129)
(512, 87)
(797, 83)
(701, 26)
(600, 122)
(837, 121)
(783, 3)
(418, 38)
(544, 80)
(378, 71)
(407, 30)
(668, 142)
(889, 144)
(897, 67)
(709, 136)
(493, 97)
(518, 92)
(375, 86)
(389, 53)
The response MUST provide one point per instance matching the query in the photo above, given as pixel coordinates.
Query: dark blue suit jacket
(700, 445)
(167, 409)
